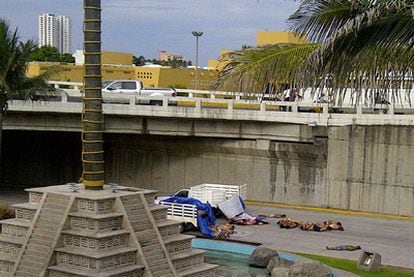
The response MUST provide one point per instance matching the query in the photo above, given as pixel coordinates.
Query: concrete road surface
(393, 239)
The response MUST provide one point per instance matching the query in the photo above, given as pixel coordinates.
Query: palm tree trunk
(92, 118)
(1, 135)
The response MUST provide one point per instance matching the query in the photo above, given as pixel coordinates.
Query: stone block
(96, 264)
(188, 261)
(95, 206)
(96, 224)
(261, 256)
(309, 269)
(35, 197)
(6, 267)
(86, 243)
(278, 261)
(9, 249)
(170, 229)
(369, 261)
(280, 272)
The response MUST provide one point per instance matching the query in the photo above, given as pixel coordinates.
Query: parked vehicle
(135, 87)
(185, 213)
(212, 193)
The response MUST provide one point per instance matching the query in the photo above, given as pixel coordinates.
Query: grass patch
(350, 266)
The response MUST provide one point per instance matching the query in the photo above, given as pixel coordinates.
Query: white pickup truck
(212, 193)
(135, 87)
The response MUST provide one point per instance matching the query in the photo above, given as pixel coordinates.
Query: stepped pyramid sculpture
(67, 233)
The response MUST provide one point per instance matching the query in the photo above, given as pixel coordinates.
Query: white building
(63, 33)
(47, 32)
(55, 31)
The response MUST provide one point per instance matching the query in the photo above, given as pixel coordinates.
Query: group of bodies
(224, 231)
(288, 223)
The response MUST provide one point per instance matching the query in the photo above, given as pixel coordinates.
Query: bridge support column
(359, 109)
(198, 105)
(294, 107)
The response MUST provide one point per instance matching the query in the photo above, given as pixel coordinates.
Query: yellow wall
(74, 73)
(175, 77)
(150, 76)
(212, 63)
(273, 37)
(109, 57)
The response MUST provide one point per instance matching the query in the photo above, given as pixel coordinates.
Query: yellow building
(165, 56)
(118, 65)
(263, 38)
(273, 37)
(108, 57)
(151, 76)
(157, 76)
(216, 64)
(74, 73)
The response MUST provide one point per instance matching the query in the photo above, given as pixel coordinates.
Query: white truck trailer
(212, 193)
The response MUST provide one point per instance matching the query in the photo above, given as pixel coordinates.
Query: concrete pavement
(392, 238)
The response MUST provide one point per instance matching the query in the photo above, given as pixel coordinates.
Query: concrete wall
(351, 168)
(371, 169)
(274, 171)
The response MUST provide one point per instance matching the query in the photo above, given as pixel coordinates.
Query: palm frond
(14, 56)
(252, 69)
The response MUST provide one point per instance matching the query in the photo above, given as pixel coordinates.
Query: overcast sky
(143, 27)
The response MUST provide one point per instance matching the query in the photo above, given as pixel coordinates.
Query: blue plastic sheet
(204, 222)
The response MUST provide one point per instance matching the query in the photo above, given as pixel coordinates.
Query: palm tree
(363, 44)
(14, 56)
(93, 175)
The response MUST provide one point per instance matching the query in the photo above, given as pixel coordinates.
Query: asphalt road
(393, 239)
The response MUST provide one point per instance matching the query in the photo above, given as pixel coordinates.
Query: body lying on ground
(288, 223)
(223, 231)
(344, 247)
(328, 225)
(246, 219)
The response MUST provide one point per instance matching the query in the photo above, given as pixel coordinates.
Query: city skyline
(145, 27)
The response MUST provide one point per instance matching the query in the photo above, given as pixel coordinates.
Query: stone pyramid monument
(66, 232)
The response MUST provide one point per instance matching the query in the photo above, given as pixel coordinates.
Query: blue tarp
(205, 222)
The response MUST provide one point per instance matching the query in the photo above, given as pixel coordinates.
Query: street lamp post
(197, 35)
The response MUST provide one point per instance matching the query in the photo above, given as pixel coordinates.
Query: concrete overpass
(355, 160)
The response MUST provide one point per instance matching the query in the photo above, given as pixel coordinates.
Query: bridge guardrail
(228, 109)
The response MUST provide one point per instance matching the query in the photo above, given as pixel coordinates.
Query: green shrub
(6, 212)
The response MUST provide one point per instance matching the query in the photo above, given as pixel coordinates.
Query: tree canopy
(364, 44)
(50, 54)
(14, 56)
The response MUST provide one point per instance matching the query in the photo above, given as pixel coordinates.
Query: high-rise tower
(55, 31)
(63, 33)
(47, 31)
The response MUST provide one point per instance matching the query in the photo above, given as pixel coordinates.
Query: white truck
(152, 96)
(212, 193)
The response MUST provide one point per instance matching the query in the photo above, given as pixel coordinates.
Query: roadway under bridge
(362, 167)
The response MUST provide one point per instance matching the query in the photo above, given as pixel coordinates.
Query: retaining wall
(351, 168)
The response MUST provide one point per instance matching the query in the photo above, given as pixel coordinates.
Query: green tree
(14, 56)
(174, 63)
(50, 54)
(140, 61)
(67, 58)
(46, 54)
(364, 44)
